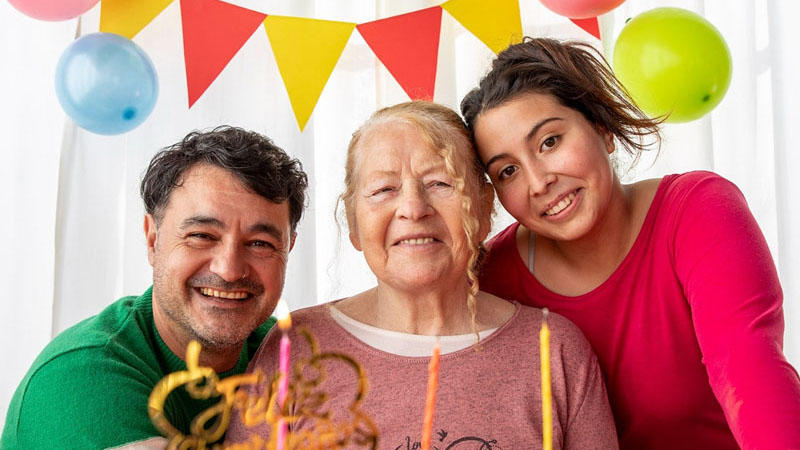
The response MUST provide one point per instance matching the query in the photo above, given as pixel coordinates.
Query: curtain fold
(31, 123)
(784, 34)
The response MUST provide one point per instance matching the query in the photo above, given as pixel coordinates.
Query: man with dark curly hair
(222, 209)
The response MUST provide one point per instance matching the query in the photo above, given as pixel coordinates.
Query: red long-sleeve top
(689, 328)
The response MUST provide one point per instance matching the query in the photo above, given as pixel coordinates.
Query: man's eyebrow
(260, 227)
(528, 137)
(201, 220)
(268, 228)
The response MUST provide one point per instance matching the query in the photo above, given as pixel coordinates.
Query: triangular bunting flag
(408, 45)
(213, 31)
(496, 23)
(306, 51)
(591, 25)
(127, 18)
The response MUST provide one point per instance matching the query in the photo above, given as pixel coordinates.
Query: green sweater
(89, 387)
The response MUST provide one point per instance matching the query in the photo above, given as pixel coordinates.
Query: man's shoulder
(125, 323)
(102, 366)
(90, 371)
(81, 397)
(121, 334)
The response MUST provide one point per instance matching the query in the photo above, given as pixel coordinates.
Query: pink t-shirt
(689, 328)
(487, 399)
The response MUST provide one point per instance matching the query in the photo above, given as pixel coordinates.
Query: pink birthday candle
(283, 384)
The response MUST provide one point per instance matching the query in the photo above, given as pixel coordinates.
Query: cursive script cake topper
(255, 400)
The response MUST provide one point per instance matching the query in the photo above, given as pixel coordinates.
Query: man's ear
(150, 235)
(294, 238)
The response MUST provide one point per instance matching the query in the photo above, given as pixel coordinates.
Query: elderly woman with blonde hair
(418, 206)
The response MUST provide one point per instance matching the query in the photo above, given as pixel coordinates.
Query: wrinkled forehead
(390, 144)
(389, 136)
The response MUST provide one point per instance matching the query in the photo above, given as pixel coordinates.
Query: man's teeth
(566, 201)
(223, 294)
(417, 241)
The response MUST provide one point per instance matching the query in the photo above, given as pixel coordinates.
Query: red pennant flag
(213, 31)
(591, 25)
(408, 45)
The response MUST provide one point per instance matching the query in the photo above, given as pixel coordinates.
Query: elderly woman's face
(407, 214)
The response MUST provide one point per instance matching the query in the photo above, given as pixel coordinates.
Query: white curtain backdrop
(72, 240)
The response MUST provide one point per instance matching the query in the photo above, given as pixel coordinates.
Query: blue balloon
(106, 83)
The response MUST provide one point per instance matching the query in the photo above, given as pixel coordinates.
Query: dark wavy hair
(258, 163)
(577, 76)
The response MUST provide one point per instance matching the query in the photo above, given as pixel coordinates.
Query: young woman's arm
(732, 287)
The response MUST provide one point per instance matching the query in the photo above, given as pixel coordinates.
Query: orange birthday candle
(430, 399)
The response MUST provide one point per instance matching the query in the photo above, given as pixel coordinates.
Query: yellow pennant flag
(496, 23)
(306, 51)
(126, 17)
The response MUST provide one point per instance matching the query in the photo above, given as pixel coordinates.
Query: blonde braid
(471, 229)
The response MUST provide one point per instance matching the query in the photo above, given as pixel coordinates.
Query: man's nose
(229, 263)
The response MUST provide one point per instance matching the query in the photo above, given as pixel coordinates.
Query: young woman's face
(549, 165)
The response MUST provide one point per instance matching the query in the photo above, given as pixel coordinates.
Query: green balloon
(673, 61)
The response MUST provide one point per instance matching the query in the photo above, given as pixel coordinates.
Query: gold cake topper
(256, 403)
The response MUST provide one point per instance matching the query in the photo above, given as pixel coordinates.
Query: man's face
(219, 260)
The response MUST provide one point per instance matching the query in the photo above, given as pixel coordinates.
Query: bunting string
(307, 50)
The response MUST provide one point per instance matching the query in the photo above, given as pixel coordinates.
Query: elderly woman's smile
(416, 241)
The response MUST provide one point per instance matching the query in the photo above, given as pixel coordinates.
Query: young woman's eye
(550, 142)
(506, 172)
